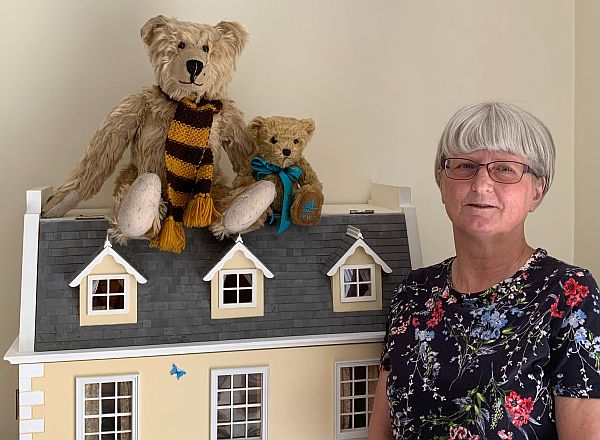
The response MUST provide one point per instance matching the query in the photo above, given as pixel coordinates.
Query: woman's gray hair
(498, 126)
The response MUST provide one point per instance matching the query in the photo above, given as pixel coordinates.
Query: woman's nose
(482, 180)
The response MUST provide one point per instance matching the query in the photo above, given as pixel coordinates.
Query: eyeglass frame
(526, 169)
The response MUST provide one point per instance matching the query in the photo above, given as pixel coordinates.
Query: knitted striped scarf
(189, 166)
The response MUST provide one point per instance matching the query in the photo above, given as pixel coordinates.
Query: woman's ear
(539, 186)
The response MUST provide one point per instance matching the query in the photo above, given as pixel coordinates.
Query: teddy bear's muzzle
(194, 68)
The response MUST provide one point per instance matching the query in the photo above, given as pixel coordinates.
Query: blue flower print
(577, 318)
(424, 335)
(581, 336)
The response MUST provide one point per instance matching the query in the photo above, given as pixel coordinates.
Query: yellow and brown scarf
(189, 165)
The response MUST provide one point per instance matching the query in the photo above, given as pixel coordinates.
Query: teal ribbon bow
(288, 176)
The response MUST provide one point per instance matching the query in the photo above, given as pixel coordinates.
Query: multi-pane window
(355, 392)
(237, 288)
(107, 408)
(107, 294)
(239, 406)
(358, 283)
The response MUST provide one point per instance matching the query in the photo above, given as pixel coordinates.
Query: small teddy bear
(176, 131)
(279, 143)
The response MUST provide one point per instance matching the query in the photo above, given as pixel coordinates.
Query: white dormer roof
(359, 243)
(239, 246)
(108, 250)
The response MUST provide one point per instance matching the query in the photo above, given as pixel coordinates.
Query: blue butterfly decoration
(177, 372)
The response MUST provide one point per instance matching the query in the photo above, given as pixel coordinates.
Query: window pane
(350, 291)
(92, 407)
(223, 415)
(346, 406)
(117, 285)
(224, 398)
(360, 405)
(346, 422)
(239, 414)
(245, 296)
(239, 430)
(349, 275)
(255, 380)
(360, 420)
(92, 437)
(124, 405)
(229, 297)
(223, 432)
(92, 425)
(99, 303)
(253, 430)
(108, 389)
(345, 389)
(124, 423)
(254, 396)
(364, 290)
(364, 274)
(108, 436)
(346, 373)
(116, 302)
(124, 436)
(239, 381)
(360, 388)
(254, 413)
(360, 372)
(373, 371)
(370, 408)
(92, 390)
(230, 280)
(125, 388)
(99, 286)
(372, 387)
(245, 280)
(108, 406)
(224, 382)
(239, 397)
(108, 424)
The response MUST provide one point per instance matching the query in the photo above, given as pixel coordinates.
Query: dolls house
(261, 336)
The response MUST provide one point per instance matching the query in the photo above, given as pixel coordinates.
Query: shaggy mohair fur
(271, 136)
(141, 121)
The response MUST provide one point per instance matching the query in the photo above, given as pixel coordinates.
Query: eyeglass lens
(499, 171)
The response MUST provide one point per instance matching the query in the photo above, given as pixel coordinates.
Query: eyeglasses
(501, 171)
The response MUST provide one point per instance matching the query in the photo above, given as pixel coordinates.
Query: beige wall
(587, 134)
(300, 401)
(380, 79)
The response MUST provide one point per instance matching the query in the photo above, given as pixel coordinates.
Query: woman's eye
(181, 45)
(205, 48)
(296, 141)
(465, 166)
(505, 169)
(273, 140)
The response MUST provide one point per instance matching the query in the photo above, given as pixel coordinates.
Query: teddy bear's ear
(233, 35)
(309, 126)
(149, 29)
(254, 126)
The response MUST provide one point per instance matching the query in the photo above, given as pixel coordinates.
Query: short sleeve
(575, 341)
(397, 299)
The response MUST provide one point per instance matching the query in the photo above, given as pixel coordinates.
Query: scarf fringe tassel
(171, 237)
(199, 211)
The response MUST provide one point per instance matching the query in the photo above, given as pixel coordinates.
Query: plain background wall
(380, 78)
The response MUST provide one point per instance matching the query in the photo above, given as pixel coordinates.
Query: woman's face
(483, 207)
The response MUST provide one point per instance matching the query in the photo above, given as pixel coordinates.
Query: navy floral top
(486, 365)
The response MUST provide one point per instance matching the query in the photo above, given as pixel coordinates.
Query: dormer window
(357, 283)
(107, 294)
(237, 288)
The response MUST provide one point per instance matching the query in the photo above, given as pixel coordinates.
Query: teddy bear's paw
(140, 207)
(249, 206)
(306, 209)
(58, 206)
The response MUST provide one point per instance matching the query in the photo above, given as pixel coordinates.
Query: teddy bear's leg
(306, 208)
(246, 209)
(137, 207)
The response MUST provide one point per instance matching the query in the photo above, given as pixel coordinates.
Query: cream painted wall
(587, 134)
(380, 79)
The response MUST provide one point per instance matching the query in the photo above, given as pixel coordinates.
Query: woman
(501, 341)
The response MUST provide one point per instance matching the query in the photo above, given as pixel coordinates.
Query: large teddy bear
(176, 131)
(278, 157)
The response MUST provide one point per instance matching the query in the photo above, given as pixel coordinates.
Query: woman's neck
(481, 263)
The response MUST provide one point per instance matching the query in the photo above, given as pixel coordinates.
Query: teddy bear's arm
(101, 157)
(235, 138)
(309, 177)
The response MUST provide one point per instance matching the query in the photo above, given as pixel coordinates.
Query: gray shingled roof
(174, 305)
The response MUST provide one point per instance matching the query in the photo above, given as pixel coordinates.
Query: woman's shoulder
(546, 263)
(434, 274)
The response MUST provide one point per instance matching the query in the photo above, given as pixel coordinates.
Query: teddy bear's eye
(205, 48)
(181, 45)
(296, 141)
(273, 140)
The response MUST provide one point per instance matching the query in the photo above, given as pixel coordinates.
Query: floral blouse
(486, 365)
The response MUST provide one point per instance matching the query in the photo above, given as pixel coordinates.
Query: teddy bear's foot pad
(140, 206)
(249, 206)
(307, 211)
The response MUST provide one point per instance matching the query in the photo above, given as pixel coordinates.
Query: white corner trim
(30, 398)
(31, 426)
(25, 437)
(359, 243)
(31, 370)
(35, 199)
(108, 250)
(239, 246)
(25, 412)
(15, 357)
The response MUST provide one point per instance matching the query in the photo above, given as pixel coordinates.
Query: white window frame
(351, 433)
(371, 297)
(214, 376)
(80, 383)
(238, 272)
(108, 277)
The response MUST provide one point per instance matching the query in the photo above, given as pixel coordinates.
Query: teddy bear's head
(281, 140)
(192, 58)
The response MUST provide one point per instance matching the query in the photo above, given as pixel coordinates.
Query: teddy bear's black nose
(286, 152)
(194, 67)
